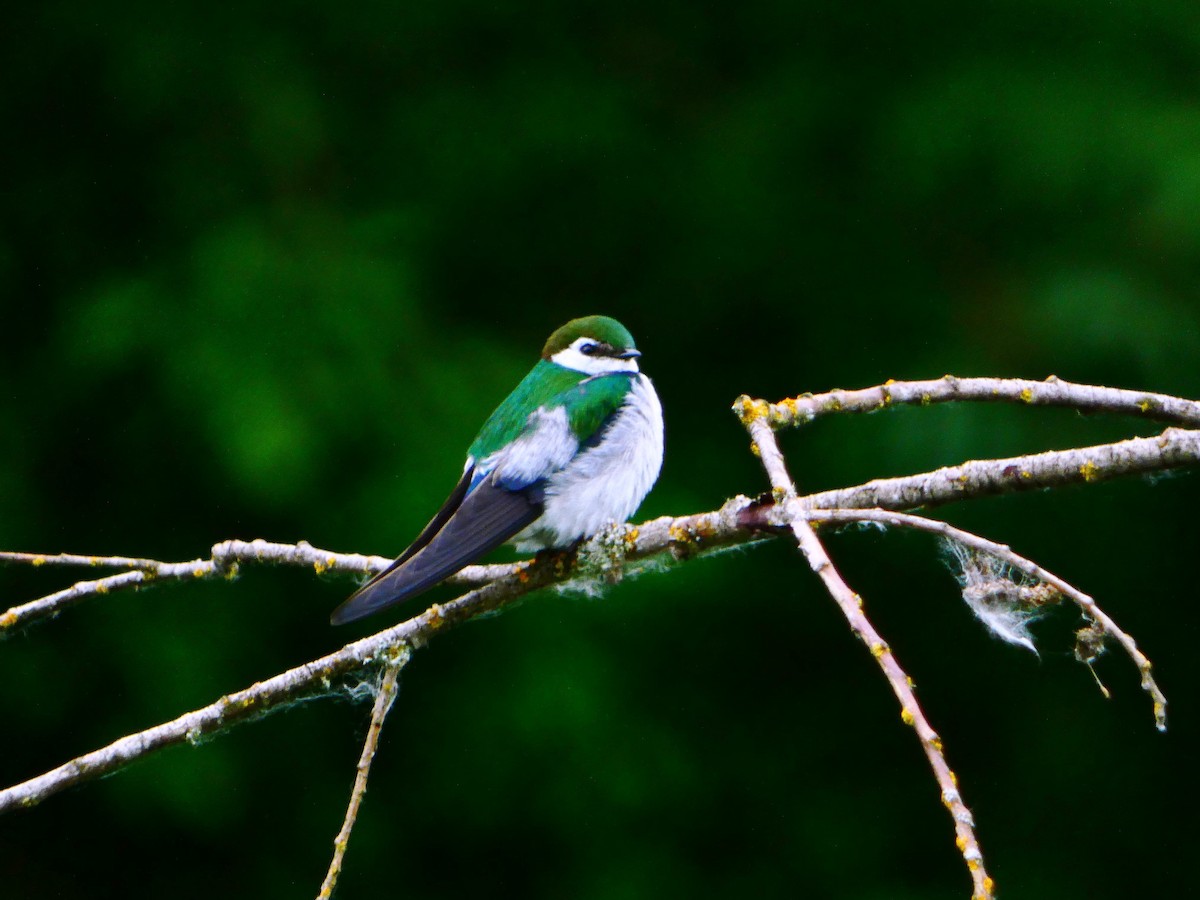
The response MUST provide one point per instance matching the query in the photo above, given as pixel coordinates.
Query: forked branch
(629, 550)
(1174, 448)
(851, 606)
(1087, 605)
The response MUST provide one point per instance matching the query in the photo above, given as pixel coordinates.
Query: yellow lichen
(783, 412)
(198, 572)
(39, 560)
(101, 587)
(749, 410)
(1146, 405)
(319, 567)
(679, 535)
(906, 717)
(961, 843)
(1027, 395)
(878, 649)
(8, 620)
(631, 538)
(1025, 473)
(1089, 470)
(926, 399)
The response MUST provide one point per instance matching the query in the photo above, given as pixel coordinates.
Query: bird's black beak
(629, 354)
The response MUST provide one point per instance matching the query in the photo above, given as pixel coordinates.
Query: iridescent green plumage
(588, 399)
(544, 382)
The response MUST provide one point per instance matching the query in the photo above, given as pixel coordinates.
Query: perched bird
(576, 446)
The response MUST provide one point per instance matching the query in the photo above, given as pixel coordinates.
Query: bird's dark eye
(587, 349)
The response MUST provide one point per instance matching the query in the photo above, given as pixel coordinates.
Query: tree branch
(629, 550)
(1086, 603)
(615, 551)
(1174, 448)
(851, 605)
(1053, 391)
(311, 679)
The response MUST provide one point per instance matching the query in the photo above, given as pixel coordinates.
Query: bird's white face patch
(573, 357)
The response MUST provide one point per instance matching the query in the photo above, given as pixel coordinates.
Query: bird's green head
(593, 344)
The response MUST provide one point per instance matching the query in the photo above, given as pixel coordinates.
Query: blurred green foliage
(265, 270)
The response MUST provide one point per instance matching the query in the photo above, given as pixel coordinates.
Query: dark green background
(265, 269)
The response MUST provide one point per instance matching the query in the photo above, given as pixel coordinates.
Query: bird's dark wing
(464, 529)
(449, 508)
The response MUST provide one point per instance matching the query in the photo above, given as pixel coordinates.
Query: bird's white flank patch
(546, 445)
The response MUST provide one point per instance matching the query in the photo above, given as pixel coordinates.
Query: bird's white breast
(604, 483)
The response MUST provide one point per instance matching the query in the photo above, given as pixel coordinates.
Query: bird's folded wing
(486, 518)
(449, 508)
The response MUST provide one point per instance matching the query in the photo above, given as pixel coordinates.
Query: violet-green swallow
(575, 447)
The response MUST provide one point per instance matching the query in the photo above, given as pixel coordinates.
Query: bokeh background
(265, 269)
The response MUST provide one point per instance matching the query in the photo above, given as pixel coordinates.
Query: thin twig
(223, 563)
(1051, 392)
(1086, 603)
(74, 559)
(850, 603)
(384, 697)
